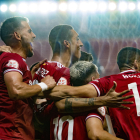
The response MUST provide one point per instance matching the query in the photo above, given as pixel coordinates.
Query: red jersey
(126, 123)
(55, 69)
(63, 126)
(15, 115)
(61, 76)
(72, 126)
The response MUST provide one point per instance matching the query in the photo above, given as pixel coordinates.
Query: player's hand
(49, 81)
(5, 49)
(36, 67)
(114, 99)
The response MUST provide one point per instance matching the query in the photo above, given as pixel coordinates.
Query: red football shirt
(61, 75)
(126, 123)
(63, 126)
(71, 126)
(15, 115)
(55, 69)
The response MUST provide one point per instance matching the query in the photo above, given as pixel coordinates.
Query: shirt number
(134, 88)
(59, 124)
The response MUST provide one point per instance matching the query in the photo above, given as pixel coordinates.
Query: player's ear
(93, 78)
(136, 65)
(66, 43)
(17, 36)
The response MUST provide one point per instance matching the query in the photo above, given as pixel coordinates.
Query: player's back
(126, 123)
(71, 126)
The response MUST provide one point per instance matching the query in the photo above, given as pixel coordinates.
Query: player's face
(76, 44)
(27, 37)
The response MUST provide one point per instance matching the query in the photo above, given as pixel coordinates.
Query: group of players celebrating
(55, 102)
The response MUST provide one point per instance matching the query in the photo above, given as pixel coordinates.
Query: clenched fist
(49, 81)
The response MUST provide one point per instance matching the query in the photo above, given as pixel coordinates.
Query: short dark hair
(57, 35)
(9, 26)
(127, 56)
(80, 72)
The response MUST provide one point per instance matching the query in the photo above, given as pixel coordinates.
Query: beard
(27, 47)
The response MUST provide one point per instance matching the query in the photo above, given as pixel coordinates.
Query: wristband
(43, 86)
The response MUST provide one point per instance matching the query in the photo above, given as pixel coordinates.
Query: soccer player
(69, 41)
(125, 122)
(110, 100)
(82, 126)
(65, 44)
(16, 82)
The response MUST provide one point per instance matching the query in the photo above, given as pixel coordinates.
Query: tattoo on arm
(68, 105)
(84, 101)
(91, 101)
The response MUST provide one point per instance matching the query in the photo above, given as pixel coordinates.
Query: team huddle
(64, 98)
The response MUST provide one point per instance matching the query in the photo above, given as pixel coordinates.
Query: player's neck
(19, 50)
(63, 59)
(125, 69)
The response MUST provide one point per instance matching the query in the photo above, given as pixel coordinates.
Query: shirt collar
(128, 71)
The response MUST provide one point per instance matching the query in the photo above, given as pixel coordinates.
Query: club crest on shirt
(62, 81)
(12, 63)
(59, 65)
(101, 110)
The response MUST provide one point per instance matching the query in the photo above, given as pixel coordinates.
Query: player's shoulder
(12, 58)
(8, 55)
(48, 65)
(56, 64)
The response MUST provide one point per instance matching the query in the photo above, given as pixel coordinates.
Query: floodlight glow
(83, 6)
(63, 6)
(72, 6)
(102, 6)
(92, 6)
(112, 6)
(3, 8)
(138, 6)
(33, 7)
(44, 7)
(53, 6)
(122, 6)
(12, 8)
(23, 7)
(131, 6)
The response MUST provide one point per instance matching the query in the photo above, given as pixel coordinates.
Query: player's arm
(17, 89)
(87, 91)
(95, 130)
(111, 99)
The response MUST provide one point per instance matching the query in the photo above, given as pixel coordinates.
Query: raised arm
(17, 89)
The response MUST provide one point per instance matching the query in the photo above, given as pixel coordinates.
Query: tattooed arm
(74, 105)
